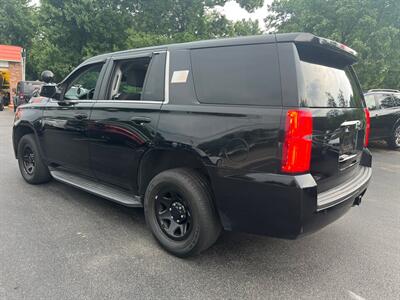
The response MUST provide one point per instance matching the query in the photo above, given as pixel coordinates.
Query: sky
(234, 12)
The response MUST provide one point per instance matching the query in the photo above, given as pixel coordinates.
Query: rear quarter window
(237, 75)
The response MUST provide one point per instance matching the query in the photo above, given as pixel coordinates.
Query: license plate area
(348, 153)
(348, 141)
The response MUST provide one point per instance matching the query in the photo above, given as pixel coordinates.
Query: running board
(97, 188)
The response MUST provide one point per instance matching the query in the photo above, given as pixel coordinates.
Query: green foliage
(16, 22)
(59, 34)
(371, 27)
(69, 31)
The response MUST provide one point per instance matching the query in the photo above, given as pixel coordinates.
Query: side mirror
(47, 76)
(50, 91)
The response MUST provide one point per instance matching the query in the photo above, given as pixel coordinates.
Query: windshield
(325, 86)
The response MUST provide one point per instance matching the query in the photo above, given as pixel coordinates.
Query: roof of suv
(297, 37)
(254, 39)
(382, 90)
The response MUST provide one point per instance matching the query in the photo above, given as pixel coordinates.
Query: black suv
(264, 134)
(384, 107)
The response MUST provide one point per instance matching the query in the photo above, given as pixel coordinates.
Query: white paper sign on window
(180, 76)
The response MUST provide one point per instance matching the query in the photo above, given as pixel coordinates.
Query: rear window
(326, 86)
(247, 74)
(387, 100)
(29, 88)
(396, 100)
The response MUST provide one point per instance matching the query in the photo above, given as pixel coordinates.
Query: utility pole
(23, 54)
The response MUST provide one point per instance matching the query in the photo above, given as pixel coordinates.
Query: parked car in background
(384, 107)
(6, 98)
(264, 134)
(24, 92)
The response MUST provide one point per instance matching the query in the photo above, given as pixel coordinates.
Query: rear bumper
(284, 206)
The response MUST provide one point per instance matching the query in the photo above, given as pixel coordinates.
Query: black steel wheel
(173, 214)
(179, 210)
(28, 159)
(31, 165)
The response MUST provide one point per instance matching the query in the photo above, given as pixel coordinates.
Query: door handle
(81, 116)
(140, 120)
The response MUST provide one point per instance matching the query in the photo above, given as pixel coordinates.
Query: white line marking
(355, 296)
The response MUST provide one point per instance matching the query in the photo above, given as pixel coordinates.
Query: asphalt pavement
(57, 242)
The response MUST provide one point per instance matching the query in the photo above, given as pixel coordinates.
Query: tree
(70, 30)
(370, 27)
(16, 22)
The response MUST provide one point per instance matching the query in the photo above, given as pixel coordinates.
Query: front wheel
(180, 213)
(394, 140)
(31, 165)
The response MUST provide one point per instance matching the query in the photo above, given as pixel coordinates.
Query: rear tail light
(21, 95)
(296, 154)
(367, 127)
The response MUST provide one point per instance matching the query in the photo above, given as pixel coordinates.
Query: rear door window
(139, 79)
(238, 75)
(326, 86)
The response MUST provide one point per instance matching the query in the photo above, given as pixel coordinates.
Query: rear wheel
(180, 213)
(1, 105)
(394, 140)
(31, 165)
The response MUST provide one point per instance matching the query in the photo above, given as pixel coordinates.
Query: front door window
(83, 86)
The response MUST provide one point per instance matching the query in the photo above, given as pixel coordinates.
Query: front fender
(28, 119)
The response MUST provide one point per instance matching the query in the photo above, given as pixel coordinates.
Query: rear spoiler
(321, 47)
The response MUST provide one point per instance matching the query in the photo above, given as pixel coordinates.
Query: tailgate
(329, 87)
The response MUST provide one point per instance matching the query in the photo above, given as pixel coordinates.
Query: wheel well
(19, 132)
(158, 161)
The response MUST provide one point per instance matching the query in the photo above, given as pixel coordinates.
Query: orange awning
(10, 53)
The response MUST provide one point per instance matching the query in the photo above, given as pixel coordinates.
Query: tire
(1, 105)
(394, 140)
(194, 198)
(31, 165)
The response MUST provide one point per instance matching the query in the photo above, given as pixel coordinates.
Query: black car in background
(25, 90)
(384, 107)
(265, 134)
